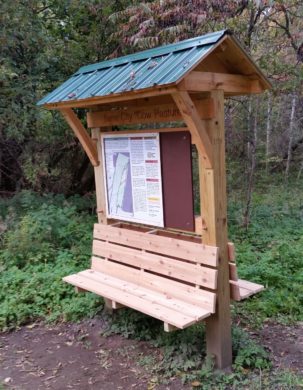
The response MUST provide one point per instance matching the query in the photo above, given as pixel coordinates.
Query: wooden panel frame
(145, 113)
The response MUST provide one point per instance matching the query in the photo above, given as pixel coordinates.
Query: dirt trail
(76, 356)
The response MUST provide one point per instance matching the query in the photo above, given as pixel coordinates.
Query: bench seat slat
(150, 295)
(193, 273)
(198, 253)
(171, 316)
(175, 289)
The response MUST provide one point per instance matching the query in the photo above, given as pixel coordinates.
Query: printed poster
(133, 183)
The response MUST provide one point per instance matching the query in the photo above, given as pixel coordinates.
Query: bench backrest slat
(194, 252)
(178, 269)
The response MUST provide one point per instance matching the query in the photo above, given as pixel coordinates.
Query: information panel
(133, 183)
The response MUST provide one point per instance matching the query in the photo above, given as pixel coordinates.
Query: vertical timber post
(99, 178)
(214, 211)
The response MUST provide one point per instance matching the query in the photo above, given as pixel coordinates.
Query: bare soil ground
(77, 356)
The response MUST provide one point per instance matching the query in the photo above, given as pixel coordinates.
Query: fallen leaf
(196, 384)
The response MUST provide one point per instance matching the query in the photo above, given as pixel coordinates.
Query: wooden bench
(167, 278)
(239, 288)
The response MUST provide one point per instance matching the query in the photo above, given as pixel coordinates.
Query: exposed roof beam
(230, 83)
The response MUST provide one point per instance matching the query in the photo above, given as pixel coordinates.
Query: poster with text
(132, 171)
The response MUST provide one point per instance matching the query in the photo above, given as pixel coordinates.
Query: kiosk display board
(133, 182)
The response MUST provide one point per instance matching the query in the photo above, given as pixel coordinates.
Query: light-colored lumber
(231, 83)
(192, 119)
(231, 252)
(99, 178)
(112, 305)
(188, 272)
(145, 114)
(214, 210)
(153, 309)
(158, 130)
(244, 289)
(194, 252)
(151, 295)
(79, 290)
(80, 132)
(233, 274)
(169, 328)
(168, 287)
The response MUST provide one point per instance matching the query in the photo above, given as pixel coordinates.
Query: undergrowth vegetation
(43, 238)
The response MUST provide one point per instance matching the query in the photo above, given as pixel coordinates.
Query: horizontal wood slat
(173, 303)
(152, 308)
(146, 114)
(168, 287)
(232, 83)
(198, 253)
(188, 272)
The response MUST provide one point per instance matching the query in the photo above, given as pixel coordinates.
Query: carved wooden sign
(145, 114)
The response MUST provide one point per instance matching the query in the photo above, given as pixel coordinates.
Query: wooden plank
(99, 179)
(145, 114)
(192, 119)
(152, 308)
(167, 287)
(80, 132)
(232, 83)
(174, 268)
(194, 252)
(237, 60)
(233, 274)
(150, 295)
(255, 287)
(159, 130)
(231, 252)
(111, 305)
(169, 328)
(214, 211)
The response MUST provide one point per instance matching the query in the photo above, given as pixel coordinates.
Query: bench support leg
(214, 211)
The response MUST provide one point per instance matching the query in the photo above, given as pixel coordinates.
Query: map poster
(132, 171)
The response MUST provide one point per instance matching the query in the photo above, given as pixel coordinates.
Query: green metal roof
(155, 67)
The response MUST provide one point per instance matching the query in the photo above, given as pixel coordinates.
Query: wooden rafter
(197, 128)
(82, 135)
(229, 83)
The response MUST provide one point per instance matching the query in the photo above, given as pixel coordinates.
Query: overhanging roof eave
(117, 97)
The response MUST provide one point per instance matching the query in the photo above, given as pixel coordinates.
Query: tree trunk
(253, 127)
(291, 133)
(268, 129)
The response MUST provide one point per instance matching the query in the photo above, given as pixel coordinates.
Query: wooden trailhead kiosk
(149, 251)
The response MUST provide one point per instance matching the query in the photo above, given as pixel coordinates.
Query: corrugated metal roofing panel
(158, 66)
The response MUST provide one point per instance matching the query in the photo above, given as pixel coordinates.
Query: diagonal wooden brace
(87, 143)
(197, 128)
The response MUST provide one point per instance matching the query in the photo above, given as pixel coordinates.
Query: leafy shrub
(49, 238)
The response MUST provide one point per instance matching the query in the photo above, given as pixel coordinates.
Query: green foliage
(270, 252)
(182, 350)
(47, 237)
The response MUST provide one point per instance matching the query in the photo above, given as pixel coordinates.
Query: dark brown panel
(177, 180)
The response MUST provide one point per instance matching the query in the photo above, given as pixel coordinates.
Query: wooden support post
(214, 211)
(99, 178)
(80, 132)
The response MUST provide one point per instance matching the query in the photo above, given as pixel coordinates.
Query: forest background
(45, 228)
